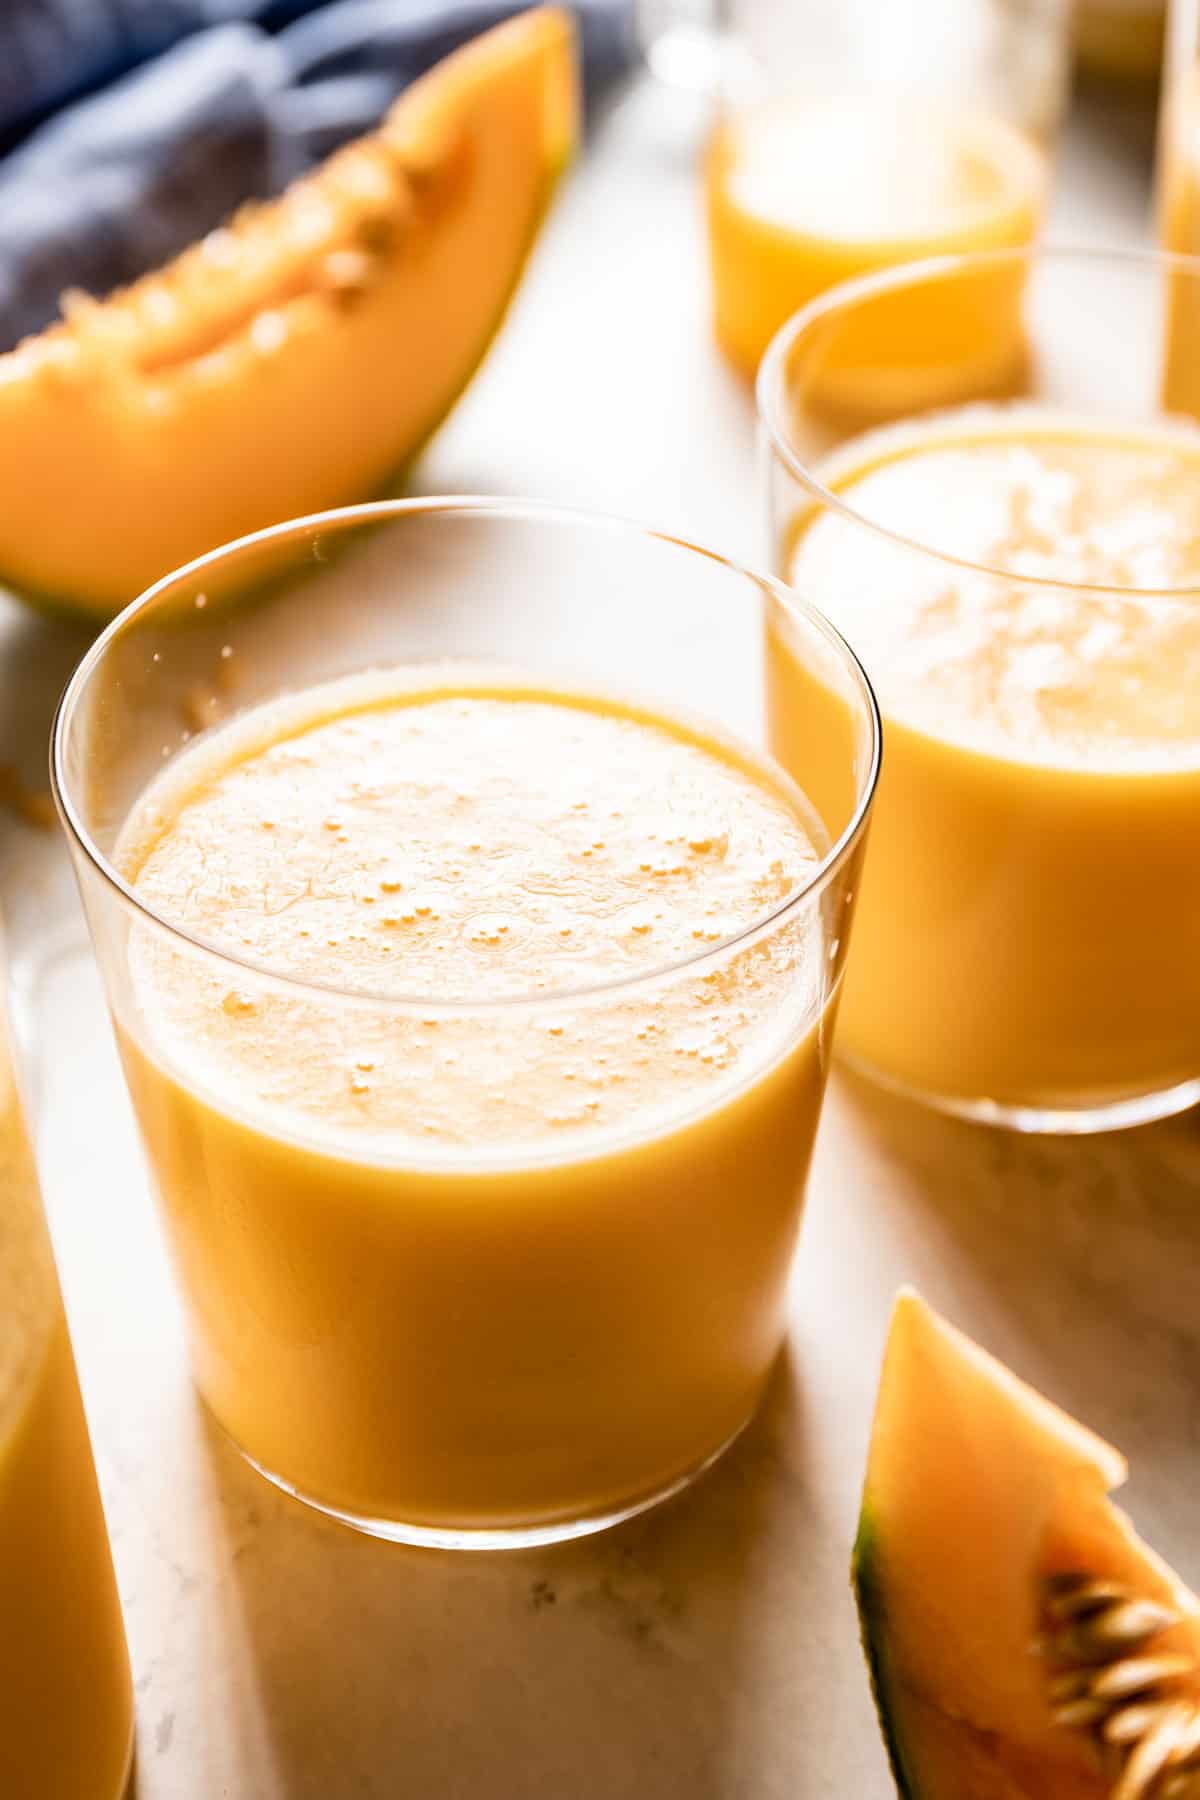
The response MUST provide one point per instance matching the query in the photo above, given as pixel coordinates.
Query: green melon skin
(867, 1578)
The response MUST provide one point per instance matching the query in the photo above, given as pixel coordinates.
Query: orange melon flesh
(978, 1488)
(296, 359)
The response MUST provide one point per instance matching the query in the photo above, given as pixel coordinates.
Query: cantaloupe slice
(1024, 1643)
(296, 359)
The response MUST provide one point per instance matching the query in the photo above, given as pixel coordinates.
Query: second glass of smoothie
(1014, 546)
(473, 967)
(66, 1692)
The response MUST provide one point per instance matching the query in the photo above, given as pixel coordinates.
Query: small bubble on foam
(359, 1085)
(226, 652)
(365, 1064)
(333, 824)
(201, 602)
(390, 883)
(237, 1004)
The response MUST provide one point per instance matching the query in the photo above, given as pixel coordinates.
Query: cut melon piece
(296, 359)
(1024, 1644)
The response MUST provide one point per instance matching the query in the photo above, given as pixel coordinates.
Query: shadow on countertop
(635, 1664)
(1075, 1259)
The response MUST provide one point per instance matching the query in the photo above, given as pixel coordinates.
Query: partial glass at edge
(1027, 949)
(66, 1695)
(505, 1342)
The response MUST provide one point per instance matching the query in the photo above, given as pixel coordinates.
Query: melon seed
(1078, 1715)
(1073, 1596)
(346, 273)
(1153, 1755)
(1131, 1723)
(1137, 1673)
(1097, 1636)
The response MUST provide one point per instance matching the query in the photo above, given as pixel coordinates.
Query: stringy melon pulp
(978, 1490)
(297, 358)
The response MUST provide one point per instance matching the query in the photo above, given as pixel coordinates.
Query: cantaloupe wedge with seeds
(1024, 1643)
(298, 358)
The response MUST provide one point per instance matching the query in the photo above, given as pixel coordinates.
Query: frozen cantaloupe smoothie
(519, 1256)
(66, 1699)
(806, 191)
(1029, 927)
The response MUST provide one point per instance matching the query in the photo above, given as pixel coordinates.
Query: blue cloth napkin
(181, 109)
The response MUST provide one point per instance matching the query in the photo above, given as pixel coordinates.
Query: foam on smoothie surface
(402, 835)
(1052, 674)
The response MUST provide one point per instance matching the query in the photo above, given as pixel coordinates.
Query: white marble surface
(709, 1650)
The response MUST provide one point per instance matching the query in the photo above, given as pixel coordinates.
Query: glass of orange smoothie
(474, 968)
(867, 133)
(1013, 543)
(66, 1697)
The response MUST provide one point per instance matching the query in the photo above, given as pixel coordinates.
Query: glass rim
(771, 389)
(463, 506)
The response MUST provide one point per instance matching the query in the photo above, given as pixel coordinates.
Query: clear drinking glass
(542, 1284)
(66, 1697)
(877, 132)
(1010, 57)
(1177, 176)
(986, 470)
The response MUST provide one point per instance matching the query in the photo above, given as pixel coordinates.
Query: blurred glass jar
(1120, 40)
(1179, 133)
(868, 133)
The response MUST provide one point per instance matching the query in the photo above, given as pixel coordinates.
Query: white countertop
(709, 1650)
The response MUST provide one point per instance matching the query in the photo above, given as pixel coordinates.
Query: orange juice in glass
(874, 135)
(1022, 576)
(474, 968)
(66, 1699)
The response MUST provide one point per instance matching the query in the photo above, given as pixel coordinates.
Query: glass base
(501, 1537)
(1080, 1119)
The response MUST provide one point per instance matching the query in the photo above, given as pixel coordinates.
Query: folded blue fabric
(201, 104)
